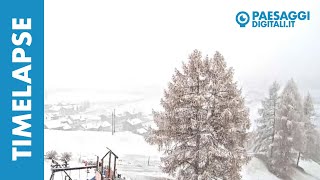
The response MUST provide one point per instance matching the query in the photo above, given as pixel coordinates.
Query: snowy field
(103, 102)
(134, 153)
(132, 150)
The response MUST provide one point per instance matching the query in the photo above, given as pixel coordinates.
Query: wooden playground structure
(105, 169)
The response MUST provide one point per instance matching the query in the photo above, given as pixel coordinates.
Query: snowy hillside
(134, 153)
(132, 150)
(256, 170)
(133, 114)
(103, 102)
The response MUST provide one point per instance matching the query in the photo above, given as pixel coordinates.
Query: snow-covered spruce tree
(202, 128)
(312, 136)
(308, 107)
(297, 119)
(267, 121)
(286, 137)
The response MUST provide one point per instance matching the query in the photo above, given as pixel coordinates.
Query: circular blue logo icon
(242, 18)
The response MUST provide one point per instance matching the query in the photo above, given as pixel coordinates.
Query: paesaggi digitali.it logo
(271, 19)
(242, 18)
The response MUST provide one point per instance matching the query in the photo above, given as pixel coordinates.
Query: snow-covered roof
(149, 124)
(150, 116)
(55, 108)
(134, 121)
(54, 124)
(68, 106)
(142, 130)
(63, 103)
(67, 120)
(92, 117)
(105, 124)
(75, 116)
(47, 116)
(82, 118)
(91, 125)
(66, 126)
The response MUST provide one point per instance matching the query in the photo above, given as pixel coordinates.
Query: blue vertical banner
(21, 89)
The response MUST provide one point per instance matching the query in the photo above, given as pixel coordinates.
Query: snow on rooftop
(95, 125)
(150, 116)
(92, 117)
(68, 107)
(105, 124)
(55, 108)
(75, 117)
(150, 124)
(47, 116)
(91, 126)
(67, 120)
(142, 130)
(66, 126)
(54, 124)
(134, 121)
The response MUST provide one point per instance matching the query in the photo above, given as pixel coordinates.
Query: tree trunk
(274, 126)
(197, 161)
(298, 159)
(196, 170)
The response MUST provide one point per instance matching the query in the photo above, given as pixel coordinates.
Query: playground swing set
(103, 168)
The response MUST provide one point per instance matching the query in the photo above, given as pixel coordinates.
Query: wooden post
(101, 168)
(298, 159)
(52, 176)
(97, 163)
(114, 167)
(109, 168)
(114, 121)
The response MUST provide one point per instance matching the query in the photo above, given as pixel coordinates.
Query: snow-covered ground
(134, 153)
(256, 170)
(103, 101)
(131, 148)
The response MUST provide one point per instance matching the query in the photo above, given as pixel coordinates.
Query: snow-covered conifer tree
(297, 119)
(287, 134)
(308, 108)
(267, 121)
(202, 127)
(312, 136)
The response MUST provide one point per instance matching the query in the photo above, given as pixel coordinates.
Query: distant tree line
(285, 130)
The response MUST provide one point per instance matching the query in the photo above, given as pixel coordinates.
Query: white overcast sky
(129, 44)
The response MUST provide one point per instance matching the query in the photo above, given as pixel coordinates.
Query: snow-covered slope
(132, 149)
(312, 171)
(256, 170)
(134, 153)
